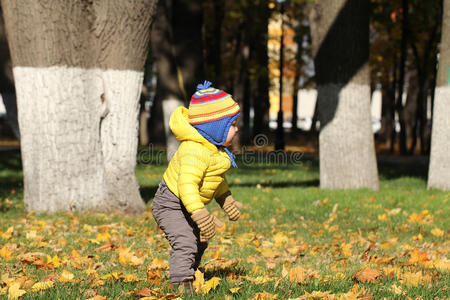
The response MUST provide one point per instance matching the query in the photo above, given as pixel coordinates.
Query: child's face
(231, 133)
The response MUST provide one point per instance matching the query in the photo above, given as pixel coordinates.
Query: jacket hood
(183, 131)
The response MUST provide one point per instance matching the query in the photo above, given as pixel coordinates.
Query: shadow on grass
(389, 167)
(306, 183)
(408, 166)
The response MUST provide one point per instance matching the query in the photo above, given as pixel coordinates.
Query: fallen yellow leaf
(131, 278)
(158, 264)
(66, 276)
(7, 234)
(346, 250)
(210, 285)
(198, 282)
(14, 291)
(366, 275)
(418, 257)
(54, 261)
(415, 279)
(264, 296)
(154, 277)
(39, 286)
(103, 237)
(98, 297)
(317, 295)
(397, 290)
(127, 257)
(443, 265)
(5, 253)
(297, 275)
(437, 232)
(113, 275)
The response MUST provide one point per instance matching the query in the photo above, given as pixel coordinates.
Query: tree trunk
(168, 88)
(401, 81)
(144, 115)
(410, 108)
(439, 171)
(294, 120)
(66, 55)
(261, 97)
(387, 117)
(241, 93)
(187, 25)
(340, 32)
(7, 81)
(176, 37)
(213, 40)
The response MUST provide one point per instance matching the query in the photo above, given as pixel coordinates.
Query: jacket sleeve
(222, 189)
(193, 164)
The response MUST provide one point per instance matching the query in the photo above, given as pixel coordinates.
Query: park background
(87, 90)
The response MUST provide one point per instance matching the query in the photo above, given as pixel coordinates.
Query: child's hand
(231, 207)
(206, 223)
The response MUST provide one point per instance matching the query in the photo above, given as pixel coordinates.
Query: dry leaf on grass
(366, 275)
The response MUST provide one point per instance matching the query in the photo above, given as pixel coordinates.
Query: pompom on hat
(211, 112)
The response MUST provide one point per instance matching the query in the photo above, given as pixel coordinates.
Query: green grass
(284, 208)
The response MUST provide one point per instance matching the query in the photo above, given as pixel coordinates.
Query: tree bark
(79, 152)
(401, 80)
(176, 37)
(387, 118)
(259, 44)
(168, 90)
(241, 94)
(340, 32)
(439, 171)
(7, 81)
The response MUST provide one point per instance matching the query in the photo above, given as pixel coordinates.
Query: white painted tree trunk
(70, 160)
(61, 148)
(439, 171)
(119, 137)
(347, 156)
(340, 36)
(78, 151)
(172, 143)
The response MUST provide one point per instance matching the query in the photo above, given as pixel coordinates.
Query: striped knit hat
(211, 112)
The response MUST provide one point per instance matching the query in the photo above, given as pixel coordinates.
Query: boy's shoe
(186, 285)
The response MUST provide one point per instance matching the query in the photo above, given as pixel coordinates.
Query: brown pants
(181, 232)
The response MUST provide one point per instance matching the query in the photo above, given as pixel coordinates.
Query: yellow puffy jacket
(196, 171)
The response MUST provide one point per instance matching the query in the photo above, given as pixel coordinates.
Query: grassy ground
(293, 240)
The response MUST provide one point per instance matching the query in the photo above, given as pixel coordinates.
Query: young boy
(194, 176)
